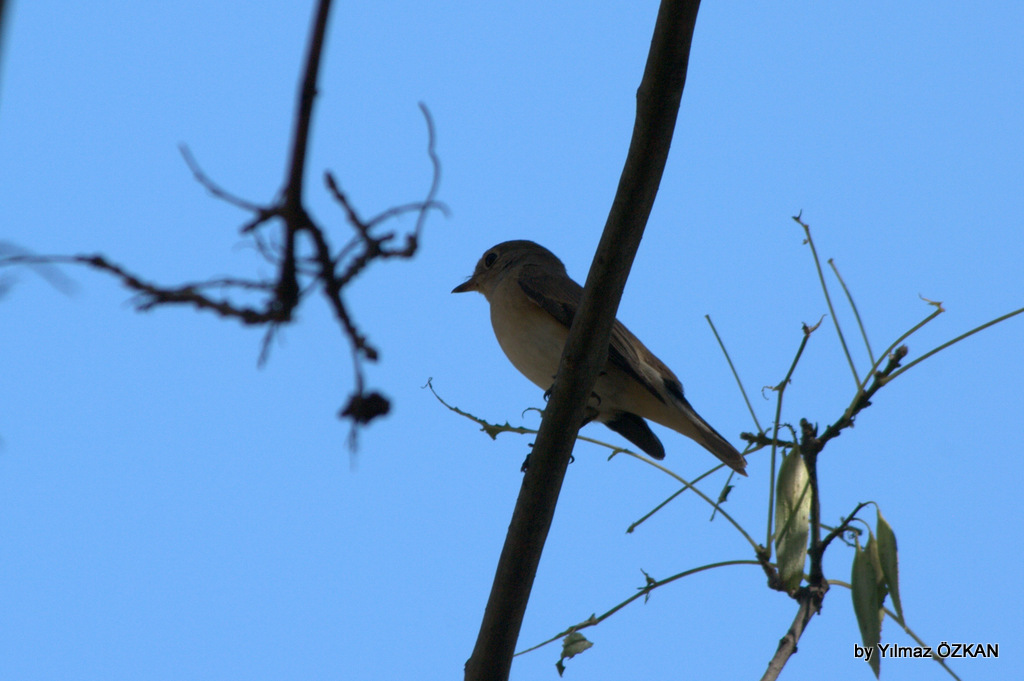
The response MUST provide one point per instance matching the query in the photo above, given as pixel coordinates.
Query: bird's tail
(693, 426)
(720, 447)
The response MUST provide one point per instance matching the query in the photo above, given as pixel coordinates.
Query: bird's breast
(530, 337)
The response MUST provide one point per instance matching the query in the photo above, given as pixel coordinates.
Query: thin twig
(955, 340)
(853, 306)
(642, 592)
(215, 189)
(735, 373)
(828, 298)
(781, 390)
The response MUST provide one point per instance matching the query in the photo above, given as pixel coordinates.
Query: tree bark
(586, 349)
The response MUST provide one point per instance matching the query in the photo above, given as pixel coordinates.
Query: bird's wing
(560, 297)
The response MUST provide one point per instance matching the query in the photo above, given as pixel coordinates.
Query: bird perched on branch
(533, 302)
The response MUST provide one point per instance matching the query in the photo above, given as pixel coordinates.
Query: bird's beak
(469, 285)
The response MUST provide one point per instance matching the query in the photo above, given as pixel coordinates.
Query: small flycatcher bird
(533, 302)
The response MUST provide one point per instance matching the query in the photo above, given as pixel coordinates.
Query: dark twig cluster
(299, 249)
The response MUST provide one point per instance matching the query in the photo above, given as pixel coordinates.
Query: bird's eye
(490, 258)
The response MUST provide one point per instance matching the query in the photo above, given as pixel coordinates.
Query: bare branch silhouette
(325, 267)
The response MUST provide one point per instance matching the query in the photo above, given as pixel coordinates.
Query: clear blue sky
(170, 511)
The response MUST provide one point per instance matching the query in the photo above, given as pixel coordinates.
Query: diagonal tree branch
(586, 349)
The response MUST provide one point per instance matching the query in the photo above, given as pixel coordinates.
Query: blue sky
(170, 511)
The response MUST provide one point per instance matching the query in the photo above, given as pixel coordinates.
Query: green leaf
(792, 509)
(572, 645)
(890, 563)
(868, 590)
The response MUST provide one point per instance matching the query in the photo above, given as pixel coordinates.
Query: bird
(533, 302)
